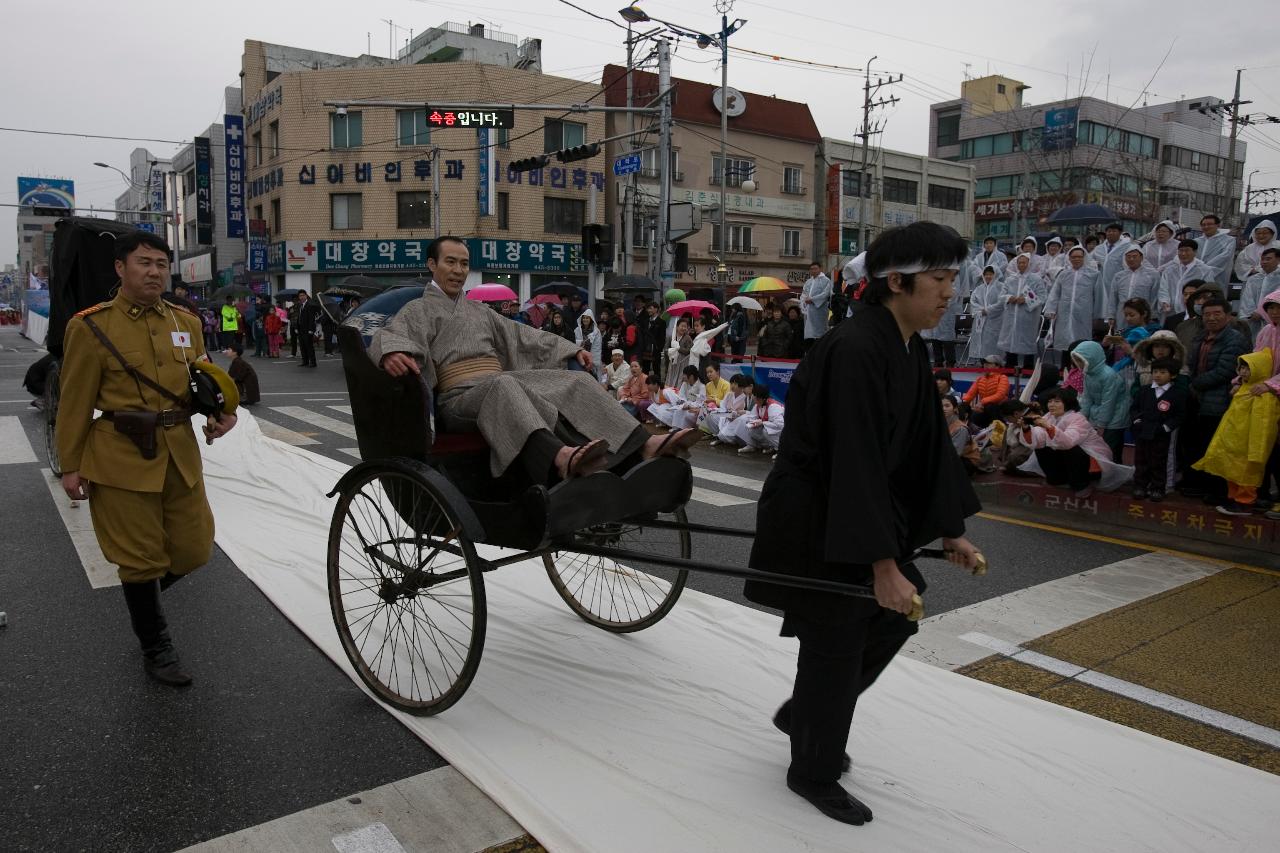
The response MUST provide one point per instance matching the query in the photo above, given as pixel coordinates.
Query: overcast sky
(144, 68)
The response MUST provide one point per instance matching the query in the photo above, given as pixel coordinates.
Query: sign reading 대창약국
(411, 256)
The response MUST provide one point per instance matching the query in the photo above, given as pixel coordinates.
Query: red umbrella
(544, 299)
(491, 293)
(692, 306)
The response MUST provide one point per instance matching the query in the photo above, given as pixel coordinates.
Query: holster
(140, 428)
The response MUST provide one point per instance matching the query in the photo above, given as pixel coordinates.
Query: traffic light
(579, 152)
(597, 243)
(528, 164)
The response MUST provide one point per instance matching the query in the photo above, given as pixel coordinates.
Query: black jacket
(1212, 387)
(866, 469)
(1152, 417)
(307, 316)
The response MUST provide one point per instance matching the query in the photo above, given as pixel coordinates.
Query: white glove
(673, 353)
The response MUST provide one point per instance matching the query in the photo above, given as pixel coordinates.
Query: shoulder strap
(137, 375)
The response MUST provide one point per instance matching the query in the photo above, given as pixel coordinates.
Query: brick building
(771, 141)
(346, 192)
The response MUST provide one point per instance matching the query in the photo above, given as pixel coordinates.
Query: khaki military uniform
(150, 516)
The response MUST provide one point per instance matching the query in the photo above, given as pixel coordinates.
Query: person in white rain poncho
(1163, 250)
(1055, 260)
(1110, 254)
(588, 336)
(942, 337)
(986, 305)
(761, 427)
(1136, 280)
(815, 301)
(1217, 249)
(1187, 268)
(1260, 284)
(680, 406)
(1075, 301)
(1249, 261)
(990, 256)
(1020, 325)
(1035, 263)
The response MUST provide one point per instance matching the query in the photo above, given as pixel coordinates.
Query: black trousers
(837, 663)
(307, 341)
(1198, 432)
(538, 456)
(1150, 462)
(1011, 361)
(944, 353)
(1068, 467)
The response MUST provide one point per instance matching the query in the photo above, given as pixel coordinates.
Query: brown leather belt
(168, 419)
(466, 371)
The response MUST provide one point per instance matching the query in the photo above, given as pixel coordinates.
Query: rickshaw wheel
(614, 596)
(406, 590)
(52, 396)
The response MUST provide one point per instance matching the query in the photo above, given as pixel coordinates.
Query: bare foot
(582, 461)
(675, 443)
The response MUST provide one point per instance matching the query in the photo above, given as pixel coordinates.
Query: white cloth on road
(663, 740)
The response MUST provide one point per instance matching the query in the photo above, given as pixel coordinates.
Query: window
(643, 225)
(739, 239)
(563, 215)
(901, 190)
(346, 211)
(503, 139)
(739, 170)
(411, 127)
(1002, 143)
(791, 242)
(1000, 88)
(273, 139)
(257, 148)
(557, 134)
(946, 198)
(851, 181)
(649, 164)
(504, 211)
(948, 129)
(413, 210)
(346, 131)
(277, 226)
(189, 182)
(257, 212)
(793, 180)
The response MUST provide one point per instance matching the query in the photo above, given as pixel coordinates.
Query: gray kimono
(533, 392)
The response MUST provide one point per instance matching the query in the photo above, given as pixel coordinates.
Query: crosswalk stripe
(79, 526)
(713, 476)
(350, 451)
(707, 496)
(346, 410)
(288, 436)
(14, 446)
(317, 420)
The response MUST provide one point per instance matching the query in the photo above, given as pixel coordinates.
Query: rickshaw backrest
(82, 270)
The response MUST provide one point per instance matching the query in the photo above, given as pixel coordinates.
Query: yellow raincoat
(1244, 439)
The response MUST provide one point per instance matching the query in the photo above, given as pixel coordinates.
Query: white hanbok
(702, 344)
(1076, 300)
(719, 421)
(680, 406)
(761, 426)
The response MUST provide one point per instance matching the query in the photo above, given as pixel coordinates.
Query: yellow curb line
(1111, 540)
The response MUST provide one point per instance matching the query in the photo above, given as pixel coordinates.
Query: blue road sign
(626, 164)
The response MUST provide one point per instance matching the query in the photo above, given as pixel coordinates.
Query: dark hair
(964, 411)
(1067, 395)
(736, 379)
(228, 299)
(1217, 220)
(988, 239)
(942, 373)
(1116, 225)
(1215, 302)
(936, 246)
(1170, 364)
(690, 370)
(815, 264)
(129, 243)
(680, 320)
(950, 398)
(1140, 305)
(712, 364)
(1195, 283)
(760, 392)
(1011, 407)
(437, 245)
(1189, 244)
(236, 348)
(1272, 251)
(1089, 237)
(653, 379)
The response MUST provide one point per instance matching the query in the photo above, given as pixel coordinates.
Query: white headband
(918, 266)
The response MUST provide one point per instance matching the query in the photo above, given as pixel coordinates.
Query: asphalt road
(93, 756)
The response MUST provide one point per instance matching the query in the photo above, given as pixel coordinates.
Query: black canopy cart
(409, 541)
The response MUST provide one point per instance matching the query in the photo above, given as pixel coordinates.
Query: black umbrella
(631, 283)
(1081, 214)
(561, 288)
(342, 290)
(229, 290)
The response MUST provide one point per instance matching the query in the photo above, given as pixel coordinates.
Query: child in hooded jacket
(1242, 444)
(1106, 399)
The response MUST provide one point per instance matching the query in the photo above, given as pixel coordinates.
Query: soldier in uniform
(139, 464)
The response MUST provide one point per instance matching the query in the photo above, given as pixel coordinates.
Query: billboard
(1060, 129)
(47, 192)
(234, 171)
(204, 192)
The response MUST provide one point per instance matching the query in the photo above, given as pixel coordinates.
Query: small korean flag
(181, 339)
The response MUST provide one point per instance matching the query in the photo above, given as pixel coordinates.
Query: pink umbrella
(692, 306)
(491, 293)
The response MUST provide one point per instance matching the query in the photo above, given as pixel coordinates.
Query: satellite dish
(737, 102)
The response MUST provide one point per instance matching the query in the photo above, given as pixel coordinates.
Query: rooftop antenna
(967, 67)
(368, 42)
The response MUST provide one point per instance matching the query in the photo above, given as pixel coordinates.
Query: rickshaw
(420, 521)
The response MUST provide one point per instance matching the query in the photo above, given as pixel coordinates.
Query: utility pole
(665, 270)
(868, 105)
(435, 190)
(1229, 174)
(624, 239)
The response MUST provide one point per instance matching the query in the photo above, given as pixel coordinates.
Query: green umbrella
(671, 297)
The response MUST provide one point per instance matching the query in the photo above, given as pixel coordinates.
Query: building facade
(769, 191)
(900, 189)
(148, 194)
(346, 189)
(1031, 160)
(208, 253)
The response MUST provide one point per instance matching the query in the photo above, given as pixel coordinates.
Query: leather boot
(159, 658)
(169, 580)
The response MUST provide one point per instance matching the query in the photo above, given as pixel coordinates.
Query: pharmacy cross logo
(235, 132)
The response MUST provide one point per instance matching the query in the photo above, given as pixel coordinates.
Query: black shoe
(1231, 507)
(1139, 494)
(159, 658)
(832, 800)
(165, 668)
(1156, 497)
(782, 722)
(170, 578)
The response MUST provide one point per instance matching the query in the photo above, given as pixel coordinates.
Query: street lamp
(633, 14)
(144, 188)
